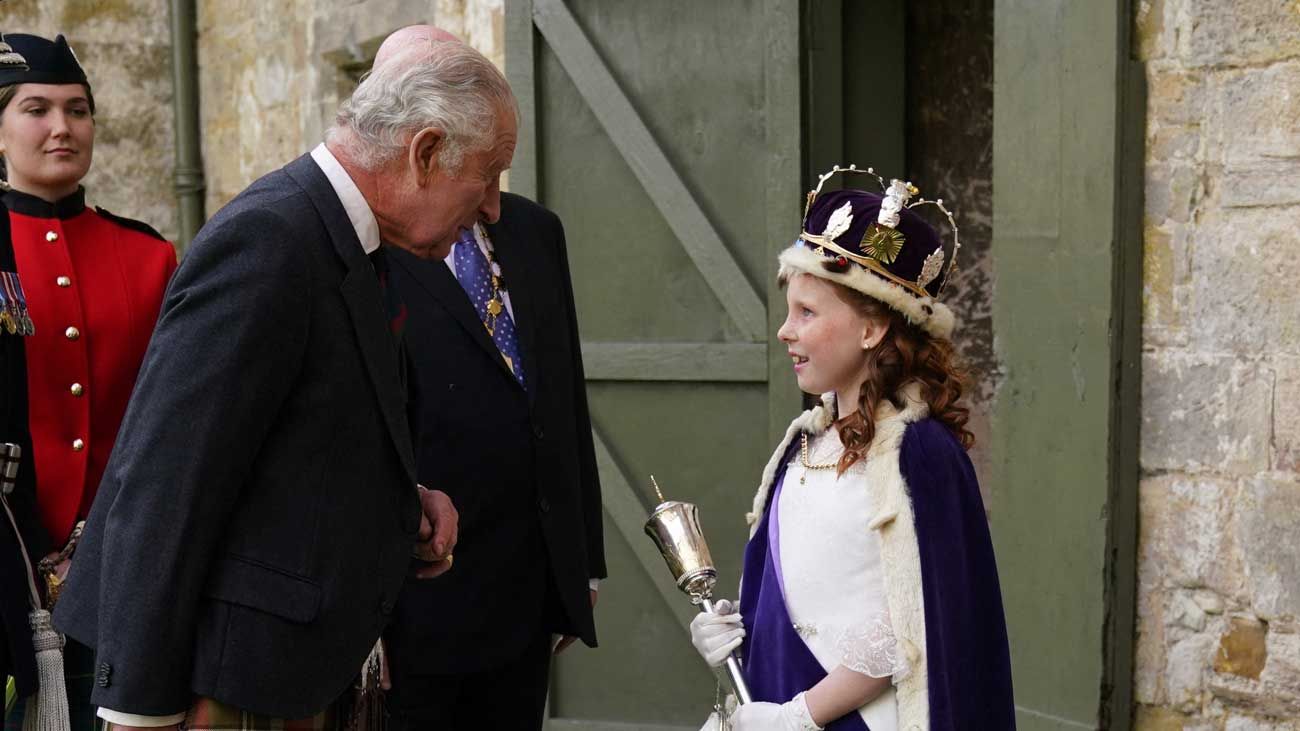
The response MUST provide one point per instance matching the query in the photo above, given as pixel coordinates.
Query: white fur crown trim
(939, 321)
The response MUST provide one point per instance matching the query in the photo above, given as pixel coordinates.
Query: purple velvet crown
(900, 255)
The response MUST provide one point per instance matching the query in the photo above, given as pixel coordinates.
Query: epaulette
(131, 223)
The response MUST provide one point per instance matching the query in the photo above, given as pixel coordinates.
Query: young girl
(870, 597)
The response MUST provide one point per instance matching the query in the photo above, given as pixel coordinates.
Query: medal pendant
(7, 320)
(494, 307)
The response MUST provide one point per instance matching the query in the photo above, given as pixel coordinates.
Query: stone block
(1172, 192)
(1186, 613)
(1283, 668)
(1184, 539)
(1149, 33)
(1245, 263)
(1264, 183)
(1185, 670)
(1237, 722)
(1286, 414)
(1268, 518)
(1155, 718)
(1149, 648)
(1242, 649)
(1176, 95)
(1251, 118)
(1205, 412)
(1237, 32)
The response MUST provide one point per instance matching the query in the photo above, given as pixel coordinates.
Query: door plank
(709, 362)
(625, 509)
(647, 161)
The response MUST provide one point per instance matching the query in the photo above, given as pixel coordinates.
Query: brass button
(64, 281)
(77, 389)
(78, 445)
(72, 333)
(51, 236)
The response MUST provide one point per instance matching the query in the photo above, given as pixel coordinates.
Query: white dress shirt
(367, 228)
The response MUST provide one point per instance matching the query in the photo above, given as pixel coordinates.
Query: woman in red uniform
(92, 284)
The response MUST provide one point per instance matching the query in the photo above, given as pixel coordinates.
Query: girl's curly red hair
(906, 354)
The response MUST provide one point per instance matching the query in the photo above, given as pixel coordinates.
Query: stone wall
(272, 74)
(1218, 643)
(125, 48)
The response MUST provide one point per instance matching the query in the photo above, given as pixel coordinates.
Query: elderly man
(259, 512)
(505, 431)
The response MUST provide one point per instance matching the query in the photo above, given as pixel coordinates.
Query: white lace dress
(831, 570)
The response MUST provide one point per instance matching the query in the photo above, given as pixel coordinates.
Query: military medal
(13, 306)
(494, 306)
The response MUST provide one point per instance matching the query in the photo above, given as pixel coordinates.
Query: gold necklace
(494, 304)
(807, 465)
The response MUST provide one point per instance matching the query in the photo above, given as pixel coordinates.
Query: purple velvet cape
(967, 658)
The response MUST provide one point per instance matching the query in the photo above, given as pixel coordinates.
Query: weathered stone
(1286, 414)
(1237, 32)
(1149, 645)
(1172, 192)
(1243, 293)
(1175, 96)
(1183, 539)
(1205, 412)
(1268, 518)
(1149, 718)
(1242, 649)
(1264, 183)
(1283, 668)
(1148, 30)
(1251, 118)
(1185, 669)
(1159, 312)
(1209, 602)
(1186, 613)
(1251, 723)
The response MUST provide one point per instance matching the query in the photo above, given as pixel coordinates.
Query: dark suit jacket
(519, 465)
(256, 517)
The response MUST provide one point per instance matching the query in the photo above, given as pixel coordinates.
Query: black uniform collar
(30, 205)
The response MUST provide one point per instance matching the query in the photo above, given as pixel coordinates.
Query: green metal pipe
(189, 183)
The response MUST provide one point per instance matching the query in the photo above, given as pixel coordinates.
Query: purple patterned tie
(475, 276)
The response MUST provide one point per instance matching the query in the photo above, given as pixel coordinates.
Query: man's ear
(873, 331)
(423, 153)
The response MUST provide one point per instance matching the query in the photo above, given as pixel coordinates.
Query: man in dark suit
(504, 429)
(259, 511)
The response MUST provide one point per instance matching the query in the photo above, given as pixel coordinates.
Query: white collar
(358, 210)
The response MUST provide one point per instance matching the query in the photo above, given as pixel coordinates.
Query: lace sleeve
(871, 648)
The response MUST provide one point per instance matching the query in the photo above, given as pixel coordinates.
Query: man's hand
(567, 640)
(439, 528)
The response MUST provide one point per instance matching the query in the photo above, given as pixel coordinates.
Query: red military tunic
(94, 285)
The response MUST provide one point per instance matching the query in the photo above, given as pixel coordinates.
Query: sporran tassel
(48, 709)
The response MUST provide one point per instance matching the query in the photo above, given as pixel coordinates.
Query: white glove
(715, 634)
(790, 716)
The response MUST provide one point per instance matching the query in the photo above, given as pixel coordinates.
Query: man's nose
(786, 333)
(489, 211)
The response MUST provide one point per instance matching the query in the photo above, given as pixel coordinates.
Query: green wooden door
(667, 137)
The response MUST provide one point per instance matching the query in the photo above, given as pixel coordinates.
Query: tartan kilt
(210, 715)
